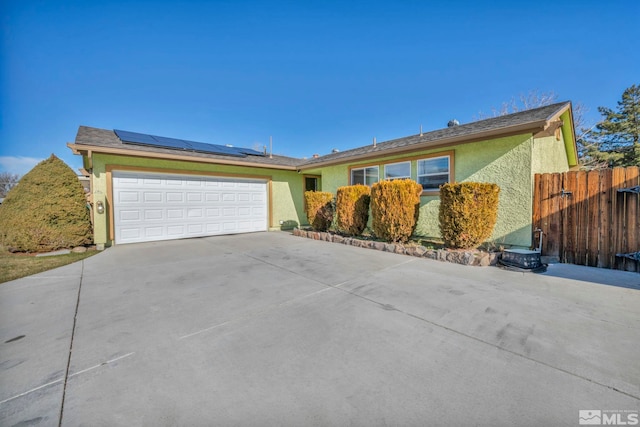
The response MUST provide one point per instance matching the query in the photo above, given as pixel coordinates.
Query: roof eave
(82, 149)
(527, 128)
(565, 115)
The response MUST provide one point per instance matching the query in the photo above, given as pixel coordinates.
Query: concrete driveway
(271, 329)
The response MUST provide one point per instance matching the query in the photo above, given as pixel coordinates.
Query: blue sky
(314, 75)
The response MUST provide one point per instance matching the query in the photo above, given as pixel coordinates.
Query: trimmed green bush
(352, 209)
(46, 211)
(319, 206)
(468, 213)
(394, 209)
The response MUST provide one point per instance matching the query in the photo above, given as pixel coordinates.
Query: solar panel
(170, 142)
(214, 149)
(181, 144)
(250, 151)
(139, 138)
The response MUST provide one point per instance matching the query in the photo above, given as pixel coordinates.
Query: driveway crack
(73, 334)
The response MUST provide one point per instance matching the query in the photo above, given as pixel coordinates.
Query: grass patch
(15, 266)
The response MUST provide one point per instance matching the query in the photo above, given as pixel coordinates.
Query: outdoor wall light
(100, 207)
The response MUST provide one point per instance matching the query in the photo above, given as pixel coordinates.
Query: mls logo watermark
(598, 417)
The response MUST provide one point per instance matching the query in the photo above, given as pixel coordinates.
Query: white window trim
(433, 190)
(397, 177)
(365, 173)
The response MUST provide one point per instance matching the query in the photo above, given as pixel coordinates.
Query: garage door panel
(151, 207)
(176, 230)
(175, 197)
(130, 233)
(153, 214)
(153, 231)
(175, 213)
(129, 181)
(195, 213)
(230, 226)
(152, 197)
(213, 228)
(212, 197)
(194, 197)
(195, 228)
(245, 225)
(128, 197)
(130, 215)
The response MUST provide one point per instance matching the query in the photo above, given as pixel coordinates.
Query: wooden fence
(586, 220)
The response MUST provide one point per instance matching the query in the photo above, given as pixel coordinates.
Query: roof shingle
(469, 131)
(521, 121)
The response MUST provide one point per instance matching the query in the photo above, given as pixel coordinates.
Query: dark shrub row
(468, 211)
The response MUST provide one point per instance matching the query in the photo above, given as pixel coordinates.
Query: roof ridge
(521, 112)
(477, 127)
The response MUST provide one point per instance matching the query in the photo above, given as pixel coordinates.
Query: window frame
(414, 161)
(449, 156)
(386, 165)
(363, 168)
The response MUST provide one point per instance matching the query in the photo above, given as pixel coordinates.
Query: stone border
(462, 257)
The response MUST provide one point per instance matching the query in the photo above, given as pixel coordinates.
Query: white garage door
(152, 206)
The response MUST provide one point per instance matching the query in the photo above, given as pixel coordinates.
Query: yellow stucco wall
(286, 187)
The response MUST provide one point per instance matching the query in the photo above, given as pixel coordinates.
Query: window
(433, 172)
(365, 176)
(397, 170)
(311, 183)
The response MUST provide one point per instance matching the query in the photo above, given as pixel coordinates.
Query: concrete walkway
(270, 329)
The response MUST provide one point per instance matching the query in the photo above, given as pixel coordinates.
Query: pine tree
(616, 139)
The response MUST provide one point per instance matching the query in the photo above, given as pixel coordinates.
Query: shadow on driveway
(603, 276)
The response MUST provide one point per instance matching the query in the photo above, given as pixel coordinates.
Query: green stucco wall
(505, 161)
(549, 155)
(286, 187)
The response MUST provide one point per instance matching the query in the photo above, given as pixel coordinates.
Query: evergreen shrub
(352, 209)
(468, 213)
(46, 211)
(319, 206)
(394, 209)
